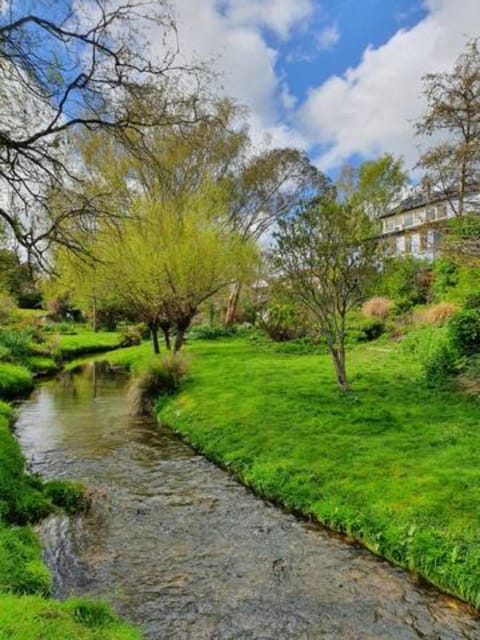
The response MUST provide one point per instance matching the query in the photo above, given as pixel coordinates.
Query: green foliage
(161, 376)
(14, 380)
(93, 614)
(283, 321)
(407, 281)
(211, 331)
(18, 342)
(434, 351)
(464, 331)
(365, 329)
(70, 496)
(131, 335)
(472, 301)
(21, 568)
(36, 618)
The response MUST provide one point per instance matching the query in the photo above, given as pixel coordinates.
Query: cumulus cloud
(231, 33)
(280, 16)
(370, 109)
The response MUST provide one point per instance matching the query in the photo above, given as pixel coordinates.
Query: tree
(76, 67)
(327, 253)
(452, 166)
(375, 185)
(265, 187)
(169, 257)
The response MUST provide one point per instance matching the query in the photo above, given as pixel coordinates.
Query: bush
(93, 614)
(212, 332)
(131, 335)
(464, 331)
(365, 330)
(406, 280)
(440, 313)
(7, 307)
(162, 377)
(472, 301)
(377, 308)
(19, 343)
(436, 354)
(70, 496)
(283, 322)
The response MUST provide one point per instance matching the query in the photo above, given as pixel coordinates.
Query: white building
(414, 228)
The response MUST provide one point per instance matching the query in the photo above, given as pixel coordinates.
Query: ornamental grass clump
(440, 313)
(161, 377)
(377, 308)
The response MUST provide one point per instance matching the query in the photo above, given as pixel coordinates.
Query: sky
(341, 79)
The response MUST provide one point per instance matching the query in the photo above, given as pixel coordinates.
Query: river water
(180, 548)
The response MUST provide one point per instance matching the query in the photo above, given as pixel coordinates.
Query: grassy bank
(393, 464)
(26, 611)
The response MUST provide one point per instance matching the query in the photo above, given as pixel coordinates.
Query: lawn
(394, 464)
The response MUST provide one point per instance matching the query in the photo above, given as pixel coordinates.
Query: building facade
(414, 228)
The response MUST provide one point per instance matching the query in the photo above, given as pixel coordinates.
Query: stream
(184, 551)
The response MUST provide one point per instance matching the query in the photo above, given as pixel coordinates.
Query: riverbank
(26, 611)
(393, 464)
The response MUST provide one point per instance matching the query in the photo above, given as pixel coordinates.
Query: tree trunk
(166, 336)
(94, 314)
(179, 339)
(154, 333)
(232, 305)
(338, 356)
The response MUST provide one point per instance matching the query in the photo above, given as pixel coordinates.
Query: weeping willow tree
(170, 256)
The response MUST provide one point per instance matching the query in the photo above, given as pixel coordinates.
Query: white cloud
(280, 16)
(231, 33)
(371, 107)
(328, 37)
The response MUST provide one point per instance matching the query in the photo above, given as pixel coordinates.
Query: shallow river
(180, 548)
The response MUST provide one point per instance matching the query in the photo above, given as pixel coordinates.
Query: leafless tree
(63, 70)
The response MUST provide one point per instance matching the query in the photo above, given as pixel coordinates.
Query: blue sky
(339, 78)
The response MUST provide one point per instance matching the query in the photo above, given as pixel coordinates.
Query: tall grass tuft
(377, 308)
(440, 313)
(160, 377)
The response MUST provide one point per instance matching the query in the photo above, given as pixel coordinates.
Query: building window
(441, 211)
(408, 244)
(430, 214)
(424, 244)
(388, 224)
(408, 219)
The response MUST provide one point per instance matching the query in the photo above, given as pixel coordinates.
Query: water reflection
(180, 548)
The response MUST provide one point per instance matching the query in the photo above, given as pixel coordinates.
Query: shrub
(7, 307)
(365, 330)
(132, 335)
(435, 352)
(19, 343)
(70, 496)
(472, 301)
(440, 313)
(464, 331)
(377, 308)
(93, 614)
(282, 322)
(161, 377)
(212, 332)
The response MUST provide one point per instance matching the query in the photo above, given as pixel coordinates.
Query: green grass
(393, 464)
(36, 618)
(15, 380)
(66, 347)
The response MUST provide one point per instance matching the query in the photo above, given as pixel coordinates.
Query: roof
(415, 201)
